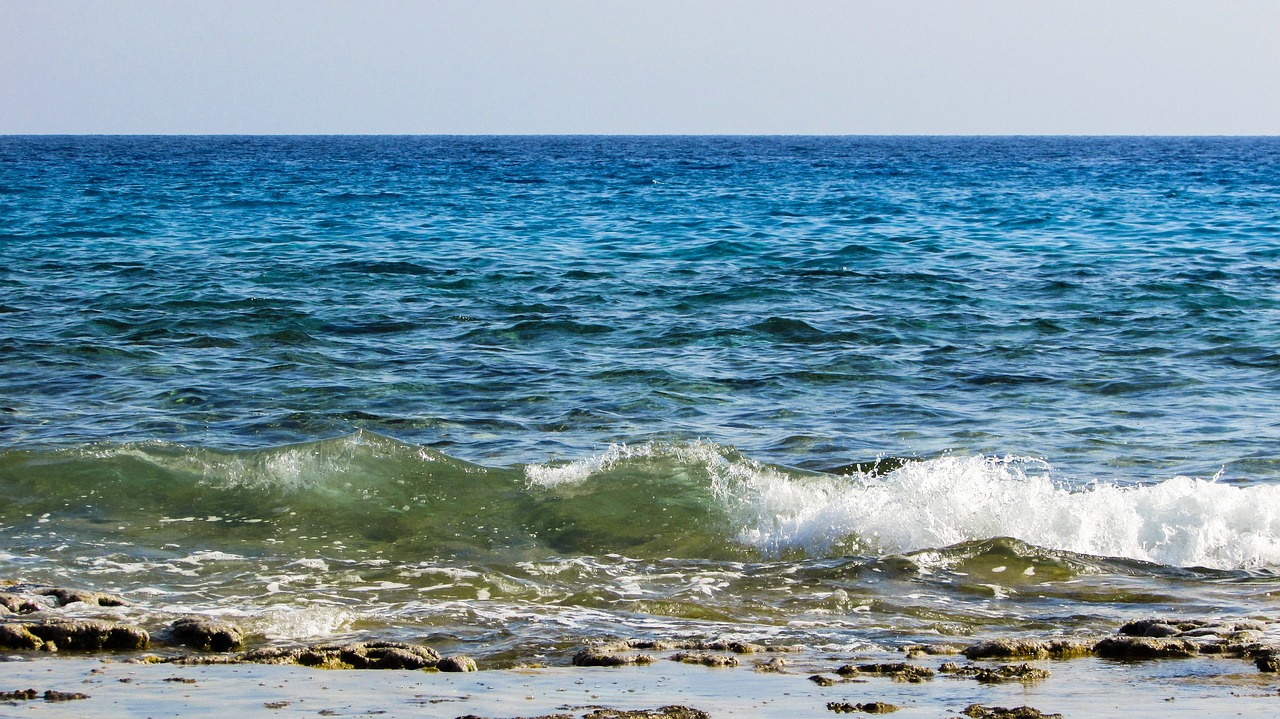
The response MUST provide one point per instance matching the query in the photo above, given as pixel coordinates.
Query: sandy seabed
(1205, 687)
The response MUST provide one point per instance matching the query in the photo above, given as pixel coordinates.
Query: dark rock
(705, 659)
(990, 675)
(1122, 647)
(869, 708)
(206, 634)
(898, 670)
(49, 695)
(80, 635)
(1268, 664)
(457, 663)
(977, 711)
(666, 712)
(361, 655)
(822, 681)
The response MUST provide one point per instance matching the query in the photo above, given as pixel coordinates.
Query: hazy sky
(645, 66)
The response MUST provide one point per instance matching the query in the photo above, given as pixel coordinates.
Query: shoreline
(1088, 687)
(59, 652)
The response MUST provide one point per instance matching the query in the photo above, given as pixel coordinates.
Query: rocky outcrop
(84, 635)
(977, 711)
(602, 657)
(206, 634)
(868, 708)
(360, 655)
(1028, 649)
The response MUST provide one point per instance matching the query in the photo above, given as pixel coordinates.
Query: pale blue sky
(649, 66)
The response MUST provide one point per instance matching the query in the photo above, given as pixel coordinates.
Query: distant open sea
(506, 394)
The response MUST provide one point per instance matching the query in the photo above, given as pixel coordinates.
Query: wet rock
(361, 655)
(49, 695)
(67, 596)
(993, 675)
(1129, 647)
(206, 634)
(977, 711)
(1269, 664)
(81, 635)
(457, 663)
(1189, 628)
(19, 604)
(666, 712)
(822, 681)
(777, 665)
(598, 657)
(919, 650)
(705, 659)
(869, 708)
(898, 670)
(674, 711)
(1027, 649)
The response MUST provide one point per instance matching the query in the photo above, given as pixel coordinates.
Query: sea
(509, 395)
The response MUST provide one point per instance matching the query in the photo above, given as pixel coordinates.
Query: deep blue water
(1108, 304)
(513, 393)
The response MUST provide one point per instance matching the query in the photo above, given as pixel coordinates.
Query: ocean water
(507, 394)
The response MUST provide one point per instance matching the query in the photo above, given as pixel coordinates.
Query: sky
(962, 67)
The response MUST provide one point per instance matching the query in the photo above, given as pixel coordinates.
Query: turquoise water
(518, 390)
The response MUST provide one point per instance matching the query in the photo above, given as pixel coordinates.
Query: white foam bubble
(1182, 521)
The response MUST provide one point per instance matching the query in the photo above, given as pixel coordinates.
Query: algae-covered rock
(206, 634)
(598, 657)
(361, 655)
(977, 711)
(457, 663)
(1126, 647)
(1027, 649)
(78, 635)
(993, 675)
(705, 659)
(776, 665)
(901, 671)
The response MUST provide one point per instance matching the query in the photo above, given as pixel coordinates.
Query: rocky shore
(38, 620)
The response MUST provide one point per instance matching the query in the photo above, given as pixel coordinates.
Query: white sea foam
(1182, 521)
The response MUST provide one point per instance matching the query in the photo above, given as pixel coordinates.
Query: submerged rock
(206, 634)
(31, 598)
(52, 635)
(1196, 628)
